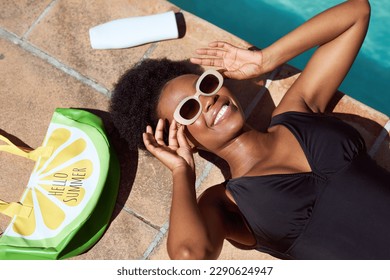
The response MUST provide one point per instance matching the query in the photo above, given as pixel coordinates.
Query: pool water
(261, 22)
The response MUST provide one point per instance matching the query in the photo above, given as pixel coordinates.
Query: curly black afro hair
(136, 94)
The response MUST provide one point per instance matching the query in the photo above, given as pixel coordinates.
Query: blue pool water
(261, 22)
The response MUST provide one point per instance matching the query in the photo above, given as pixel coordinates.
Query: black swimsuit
(339, 210)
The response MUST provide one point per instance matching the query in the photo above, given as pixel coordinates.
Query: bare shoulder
(212, 192)
(214, 198)
(222, 213)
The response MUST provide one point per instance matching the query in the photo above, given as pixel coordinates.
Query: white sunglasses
(190, 108)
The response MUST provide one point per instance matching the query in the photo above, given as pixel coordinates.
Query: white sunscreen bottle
(134, 31)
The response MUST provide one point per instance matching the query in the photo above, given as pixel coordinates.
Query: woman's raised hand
(238, 63)
(178, 153)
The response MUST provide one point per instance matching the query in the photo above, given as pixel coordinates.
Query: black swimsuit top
(278, 207)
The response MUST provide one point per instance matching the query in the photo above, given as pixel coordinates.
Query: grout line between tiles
(40, 17)
(204, 174)
(148, 52)
(379, 140)
(54, 62)
(156, 241)
(139, 217)
(261, 92)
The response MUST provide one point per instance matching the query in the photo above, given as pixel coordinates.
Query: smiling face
(221, 118)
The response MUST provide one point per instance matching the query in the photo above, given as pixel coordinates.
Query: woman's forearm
(317, 31)
(187, 237)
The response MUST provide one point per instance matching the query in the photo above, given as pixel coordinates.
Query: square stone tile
(30, 91)
(64, 34)
(150, 196)
(127, 238)
(18, 16)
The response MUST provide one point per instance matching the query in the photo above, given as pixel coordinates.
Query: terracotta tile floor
(46, 62)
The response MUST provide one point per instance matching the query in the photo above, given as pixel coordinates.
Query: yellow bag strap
(14, 208)
(30, 154)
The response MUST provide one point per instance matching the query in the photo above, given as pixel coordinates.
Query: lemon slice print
(61, 185)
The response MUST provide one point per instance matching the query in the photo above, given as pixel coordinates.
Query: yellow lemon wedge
(60, 185)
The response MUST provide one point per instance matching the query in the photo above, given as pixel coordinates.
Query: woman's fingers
(156, 140)
(176, 138)
(149, 129)
(211, 52)
(221, 54)
(182, 139)
(149, 141)
(179, 150)
(216, 62)
(221, 45)
(217, 50)
(159, 134)
(172, 137)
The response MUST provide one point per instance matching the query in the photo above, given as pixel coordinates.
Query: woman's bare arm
(195, 231)
(339, 32)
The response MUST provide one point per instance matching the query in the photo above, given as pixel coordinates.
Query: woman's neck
(245, 151)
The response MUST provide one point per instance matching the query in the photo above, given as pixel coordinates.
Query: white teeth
(220, 113)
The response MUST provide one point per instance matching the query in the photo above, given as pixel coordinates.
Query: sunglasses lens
(209, 84)
(189, 109)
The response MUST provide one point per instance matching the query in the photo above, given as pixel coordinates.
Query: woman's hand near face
(188, 234)
(177, 154)
(238, 63)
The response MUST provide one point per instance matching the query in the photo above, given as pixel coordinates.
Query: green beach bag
(71, 193)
